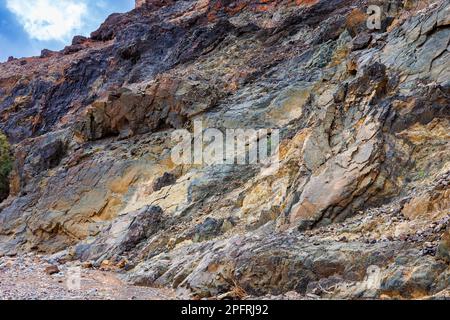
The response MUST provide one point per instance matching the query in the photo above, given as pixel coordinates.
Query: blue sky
(28, 26)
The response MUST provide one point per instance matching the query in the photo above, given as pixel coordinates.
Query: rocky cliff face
(139, 3)
(364, 170)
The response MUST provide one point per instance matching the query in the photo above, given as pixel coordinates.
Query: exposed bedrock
(358, 208)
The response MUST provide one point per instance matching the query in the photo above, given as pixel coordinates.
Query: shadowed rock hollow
(364, 153)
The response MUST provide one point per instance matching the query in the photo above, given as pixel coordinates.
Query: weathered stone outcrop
(358, 208)
(444, 246)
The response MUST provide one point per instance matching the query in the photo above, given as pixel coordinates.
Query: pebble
(50, 270)
(429, 245)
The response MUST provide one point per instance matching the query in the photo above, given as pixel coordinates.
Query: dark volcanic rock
(147, 222)
(45, 53)
(165, 180)
(77, 40)
(361, 41)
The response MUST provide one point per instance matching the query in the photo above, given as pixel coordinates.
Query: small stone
(429, 245)
(352, 67)
(50, 270)
(361, 41)
(171, 244)
(122, 264)
(106, 264)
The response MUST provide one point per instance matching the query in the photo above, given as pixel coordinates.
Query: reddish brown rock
(51, 270)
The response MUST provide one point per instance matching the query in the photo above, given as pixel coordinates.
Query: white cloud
(49, 19)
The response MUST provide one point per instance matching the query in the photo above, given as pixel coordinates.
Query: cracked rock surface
(358, 209)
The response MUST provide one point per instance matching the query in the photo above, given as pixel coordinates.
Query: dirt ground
(31, 277)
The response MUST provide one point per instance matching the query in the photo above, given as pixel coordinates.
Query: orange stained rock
(355, 19)
(307, 3)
